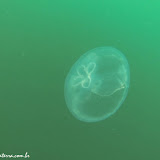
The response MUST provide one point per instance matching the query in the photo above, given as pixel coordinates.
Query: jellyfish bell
(97, 84)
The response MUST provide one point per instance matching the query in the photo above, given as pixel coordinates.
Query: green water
(40, 41)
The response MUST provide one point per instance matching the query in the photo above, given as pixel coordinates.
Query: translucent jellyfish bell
(97, 84)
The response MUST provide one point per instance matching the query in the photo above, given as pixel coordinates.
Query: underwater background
(39, 43)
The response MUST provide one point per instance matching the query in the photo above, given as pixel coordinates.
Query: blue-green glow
(97, 84)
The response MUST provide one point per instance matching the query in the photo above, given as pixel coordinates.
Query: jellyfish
(97, 84)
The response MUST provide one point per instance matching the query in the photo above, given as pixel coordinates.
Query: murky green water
(40, 41)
